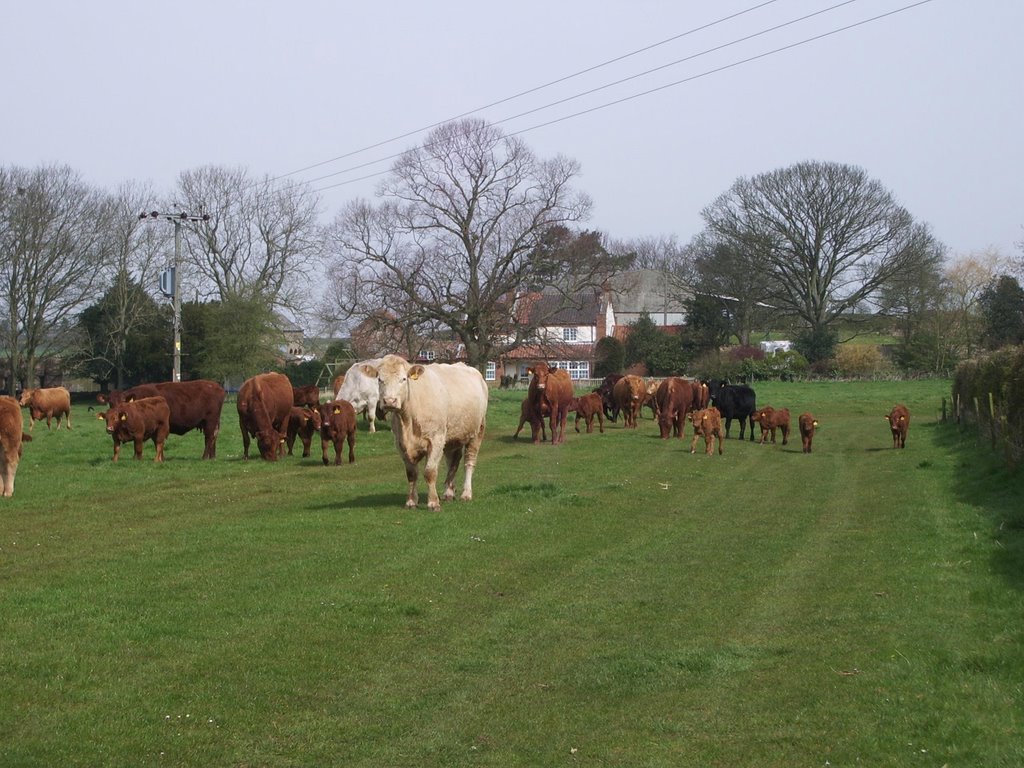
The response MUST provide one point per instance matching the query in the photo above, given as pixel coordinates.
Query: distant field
(613, 601)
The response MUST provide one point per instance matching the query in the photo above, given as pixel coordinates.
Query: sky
(927, 100)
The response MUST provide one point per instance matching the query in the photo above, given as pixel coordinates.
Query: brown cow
(194, 404)
(700, 395)
(629, 394)
(587, 407)
(674, 397)
(138, 421)
(899, 423)
(527, 416)
(306, 397)
(338, 423)
(651, 398)
(47, 402)
(303, 423)
(12, 436)
(772, 419)
(264, 406)
(551, 388)
(707, 423)
(807, 424)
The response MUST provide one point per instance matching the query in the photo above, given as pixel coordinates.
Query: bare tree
(136, 254)
(824, 235)
(54, 240)
(453, 241)
(262, 239)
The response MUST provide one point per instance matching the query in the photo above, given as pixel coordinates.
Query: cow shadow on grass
(982, 479)
(394, 501)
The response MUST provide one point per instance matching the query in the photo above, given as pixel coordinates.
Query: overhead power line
(640, 94)
(528, 91)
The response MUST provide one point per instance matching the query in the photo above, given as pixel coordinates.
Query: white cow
(361, 390)
(436, 410)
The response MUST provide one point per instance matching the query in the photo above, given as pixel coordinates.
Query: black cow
(734, 401)
(611, 408)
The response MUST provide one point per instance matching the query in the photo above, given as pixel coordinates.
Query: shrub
(859, 360)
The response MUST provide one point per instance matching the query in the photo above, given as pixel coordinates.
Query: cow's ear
(369, 370)
(416, 371)
(814, 423)
(102, 415)
(124, 417)
(336, 409)
(529, 371)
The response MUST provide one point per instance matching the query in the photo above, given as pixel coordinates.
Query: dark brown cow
(674, 397)
(587, 407)
(899, 424)
(264, 406)
(701, 395)
(148, 418)
(772, 419)
(337, 424)
(629, 394)
(303, 423)
(707, 423)
(536, 421)
(807, 424)
(651, 398)
(12, 436)
(306, 397)
(551, 388)
(194, 404)
(47, 403)
(606, 390)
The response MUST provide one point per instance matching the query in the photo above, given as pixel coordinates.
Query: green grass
(613, 601)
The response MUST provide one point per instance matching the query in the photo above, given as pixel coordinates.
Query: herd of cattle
(437, 410)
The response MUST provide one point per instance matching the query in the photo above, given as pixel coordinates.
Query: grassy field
(613, 601)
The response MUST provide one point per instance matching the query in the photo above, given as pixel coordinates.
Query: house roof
(550, 307)
(647, 290)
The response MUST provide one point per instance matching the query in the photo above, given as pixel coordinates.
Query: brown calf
(899, 423)
(338, 423)
(11, 439)
(807, 424)
(587, 407)
(707, 423)
(138, 421)
(303, 423)
(770, 420)
(535, 420)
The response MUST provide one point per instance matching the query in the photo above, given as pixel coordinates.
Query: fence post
(992, 417)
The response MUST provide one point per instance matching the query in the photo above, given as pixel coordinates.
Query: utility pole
(169, 280)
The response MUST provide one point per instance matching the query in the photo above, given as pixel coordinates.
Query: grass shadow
(981, 479)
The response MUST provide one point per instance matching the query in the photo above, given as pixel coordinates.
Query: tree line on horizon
(461, 230)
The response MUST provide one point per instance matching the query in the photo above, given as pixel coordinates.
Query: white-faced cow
(436, 410)
(361, 389)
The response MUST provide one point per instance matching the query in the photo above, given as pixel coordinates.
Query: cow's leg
(693, 443)
(159, 449)
(245, 438)
(472, 449)
(325, 446)
(371, 414)
(117, 450)
(352, 445)
(210, 437)
(339, 443)
(430, 476)
(8, 472)
(139, 441)
(453, 456)
(600, 421)
(412, 475)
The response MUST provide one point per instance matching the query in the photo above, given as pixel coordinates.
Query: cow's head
(311, 415)
(394, 377)
(540, 374)
(26, 396)
(269, 441)
(114, 417)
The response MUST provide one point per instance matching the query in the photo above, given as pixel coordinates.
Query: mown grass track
(613, 601)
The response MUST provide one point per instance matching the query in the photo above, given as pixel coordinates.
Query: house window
(578, 369)
(569, 334)
(491, 373)
(427, 354)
